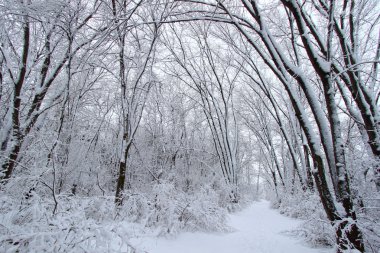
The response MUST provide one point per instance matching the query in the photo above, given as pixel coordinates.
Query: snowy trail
(258, 229)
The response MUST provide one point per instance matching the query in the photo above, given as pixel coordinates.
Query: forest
(121, 118)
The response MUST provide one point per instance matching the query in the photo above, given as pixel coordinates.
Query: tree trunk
(309, 176)
(122, 171)
(16, 138)
(348, 234)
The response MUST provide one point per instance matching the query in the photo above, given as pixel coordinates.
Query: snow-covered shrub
(99, 208)
(204, 215)
(315, 228)
(136, 207)
(79, 225)
(30, 221)
(318, 232)
(163, 204)
(369, 218)
(173, 210)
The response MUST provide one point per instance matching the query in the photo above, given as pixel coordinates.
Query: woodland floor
(257, 229)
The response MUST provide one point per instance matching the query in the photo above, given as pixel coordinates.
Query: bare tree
(214, 80)
(318, 53)
(136, 75)
(38, 66)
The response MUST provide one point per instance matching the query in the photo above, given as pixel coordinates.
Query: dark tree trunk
(122, 172)
(348, 234)
(309, 176)
(10, 163)
(120, 184)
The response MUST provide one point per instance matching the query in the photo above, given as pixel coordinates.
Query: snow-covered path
(258, 229)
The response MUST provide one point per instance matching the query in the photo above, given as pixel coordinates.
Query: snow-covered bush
(33, 219)
(163, 204)
(79, 225)
(315, 228)
(173, 210)
(369, 217)
(136, 207)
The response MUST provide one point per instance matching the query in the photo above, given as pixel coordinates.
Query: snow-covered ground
(257, 229)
